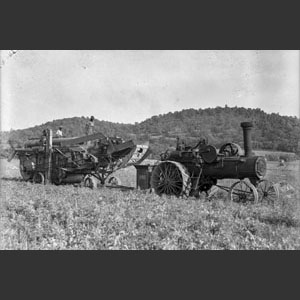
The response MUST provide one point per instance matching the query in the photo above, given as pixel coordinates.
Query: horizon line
(162, 114)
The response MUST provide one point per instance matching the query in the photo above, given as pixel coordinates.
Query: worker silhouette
(59, 132)
(90, 126)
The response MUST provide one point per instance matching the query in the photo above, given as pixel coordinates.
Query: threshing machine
(77, 159)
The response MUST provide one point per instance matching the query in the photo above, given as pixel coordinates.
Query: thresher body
(71, 159)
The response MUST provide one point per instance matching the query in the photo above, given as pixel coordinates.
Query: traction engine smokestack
(247, 128)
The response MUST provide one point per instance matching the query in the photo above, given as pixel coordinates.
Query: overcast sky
(130, 86)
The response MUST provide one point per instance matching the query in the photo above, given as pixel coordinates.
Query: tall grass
(35, 216)
(66, 217)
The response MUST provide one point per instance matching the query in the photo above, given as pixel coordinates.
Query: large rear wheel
(170, 178)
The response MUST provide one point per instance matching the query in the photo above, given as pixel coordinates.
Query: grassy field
(35, 216)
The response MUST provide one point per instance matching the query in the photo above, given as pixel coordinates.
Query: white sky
(130, 86)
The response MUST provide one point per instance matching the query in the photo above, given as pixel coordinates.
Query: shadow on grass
(14, 179)
(287, 221)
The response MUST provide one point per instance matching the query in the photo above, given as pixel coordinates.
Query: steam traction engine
(77, 159)
(188, 171)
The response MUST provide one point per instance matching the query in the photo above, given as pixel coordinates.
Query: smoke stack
(247, 127)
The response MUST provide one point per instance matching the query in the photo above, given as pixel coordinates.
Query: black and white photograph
(150, 150)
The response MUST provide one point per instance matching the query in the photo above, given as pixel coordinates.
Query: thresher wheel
(58, 176)
(170, 178)
(26, 175)
(114, 181)
(90, 182)
(243, 191)
(39, 178)
(267, 191)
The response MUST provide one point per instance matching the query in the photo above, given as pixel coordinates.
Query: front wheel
(90, 182)
(267, 191)
(243, 192)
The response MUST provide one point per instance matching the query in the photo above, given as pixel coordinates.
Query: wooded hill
(218, 125)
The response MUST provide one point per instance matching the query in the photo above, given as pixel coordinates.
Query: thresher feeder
(190, 170)
(77, 159)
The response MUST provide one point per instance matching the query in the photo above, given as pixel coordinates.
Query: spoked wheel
(90, 182)
(170, 178)
(114, 181)
(243, 192)
(39, 178)
(58, 176)
(26, 169)
(267, 191)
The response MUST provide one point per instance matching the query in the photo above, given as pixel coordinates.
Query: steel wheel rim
(243, 192)
(88, 182)
(38, 178)
(25, 175)
(58, 176)
(114, 181)
(169, 178)
(267, 191)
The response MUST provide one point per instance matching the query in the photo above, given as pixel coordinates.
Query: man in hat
(90, 126)
(59, 132)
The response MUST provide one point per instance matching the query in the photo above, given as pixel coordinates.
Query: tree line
(217, 125)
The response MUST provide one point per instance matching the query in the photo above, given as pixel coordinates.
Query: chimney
(247, 127)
